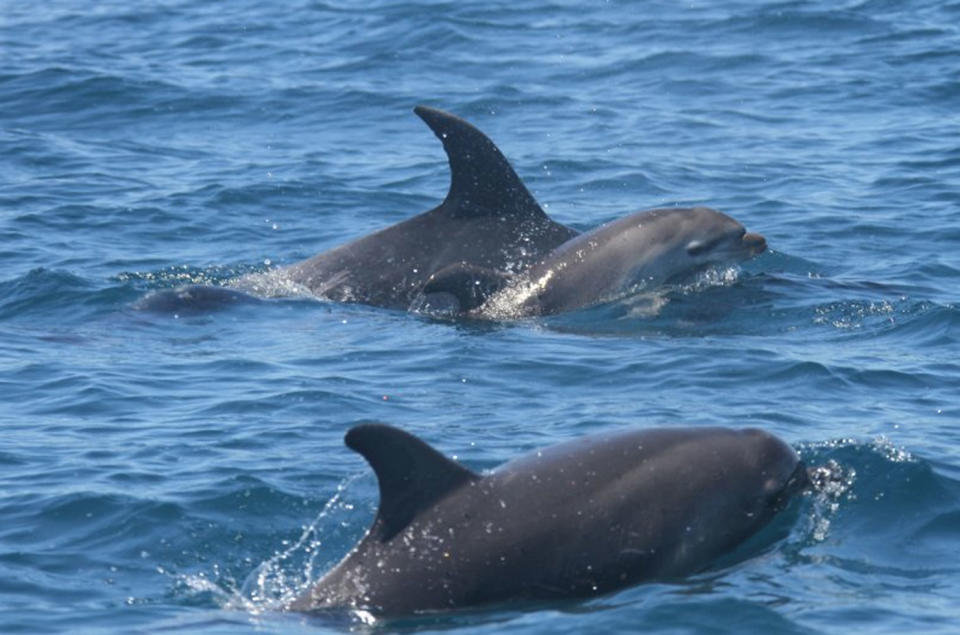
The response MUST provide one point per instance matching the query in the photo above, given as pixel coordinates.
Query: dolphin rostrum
(577, 519)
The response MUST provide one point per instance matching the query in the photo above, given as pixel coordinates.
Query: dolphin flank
(573, 520)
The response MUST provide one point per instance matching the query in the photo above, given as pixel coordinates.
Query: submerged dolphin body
(488, 219)
(642, 250)
(573, 520)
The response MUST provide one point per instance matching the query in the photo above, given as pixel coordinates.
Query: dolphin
(488, 219)
(573, 520)
(643, 250)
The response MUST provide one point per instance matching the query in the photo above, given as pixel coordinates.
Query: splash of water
(832, 483)
(275, 283)
(276, 582)
(283, 577)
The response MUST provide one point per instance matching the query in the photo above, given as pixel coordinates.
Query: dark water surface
(185, 470)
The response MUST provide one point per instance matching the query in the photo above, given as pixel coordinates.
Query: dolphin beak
(754, 243)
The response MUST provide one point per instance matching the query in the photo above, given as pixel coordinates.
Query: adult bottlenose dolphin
(573, 520)
(640, 251)
(488, 219)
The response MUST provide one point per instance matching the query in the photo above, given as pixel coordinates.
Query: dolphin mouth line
(799, 481)
(754, 243)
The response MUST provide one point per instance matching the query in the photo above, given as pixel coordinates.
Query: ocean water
(184, 470)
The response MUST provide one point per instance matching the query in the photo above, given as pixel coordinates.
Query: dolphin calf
(642, 250)
(573, 520)
(488, 219)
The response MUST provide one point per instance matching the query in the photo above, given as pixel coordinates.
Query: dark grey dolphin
(573, 520)
(489, 219)
(642, 250)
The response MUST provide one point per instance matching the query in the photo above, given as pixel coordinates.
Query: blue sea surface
(185, 470)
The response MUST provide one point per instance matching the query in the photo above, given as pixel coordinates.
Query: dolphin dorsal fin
(411, 474)
(482, 183)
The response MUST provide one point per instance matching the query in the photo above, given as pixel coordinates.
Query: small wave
(46, 292)
(854, 314)
(870, 483)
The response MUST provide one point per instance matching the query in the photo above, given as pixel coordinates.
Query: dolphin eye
(700, 247)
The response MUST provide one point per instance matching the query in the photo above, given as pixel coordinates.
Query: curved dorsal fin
(482, 183)
(411, 474)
